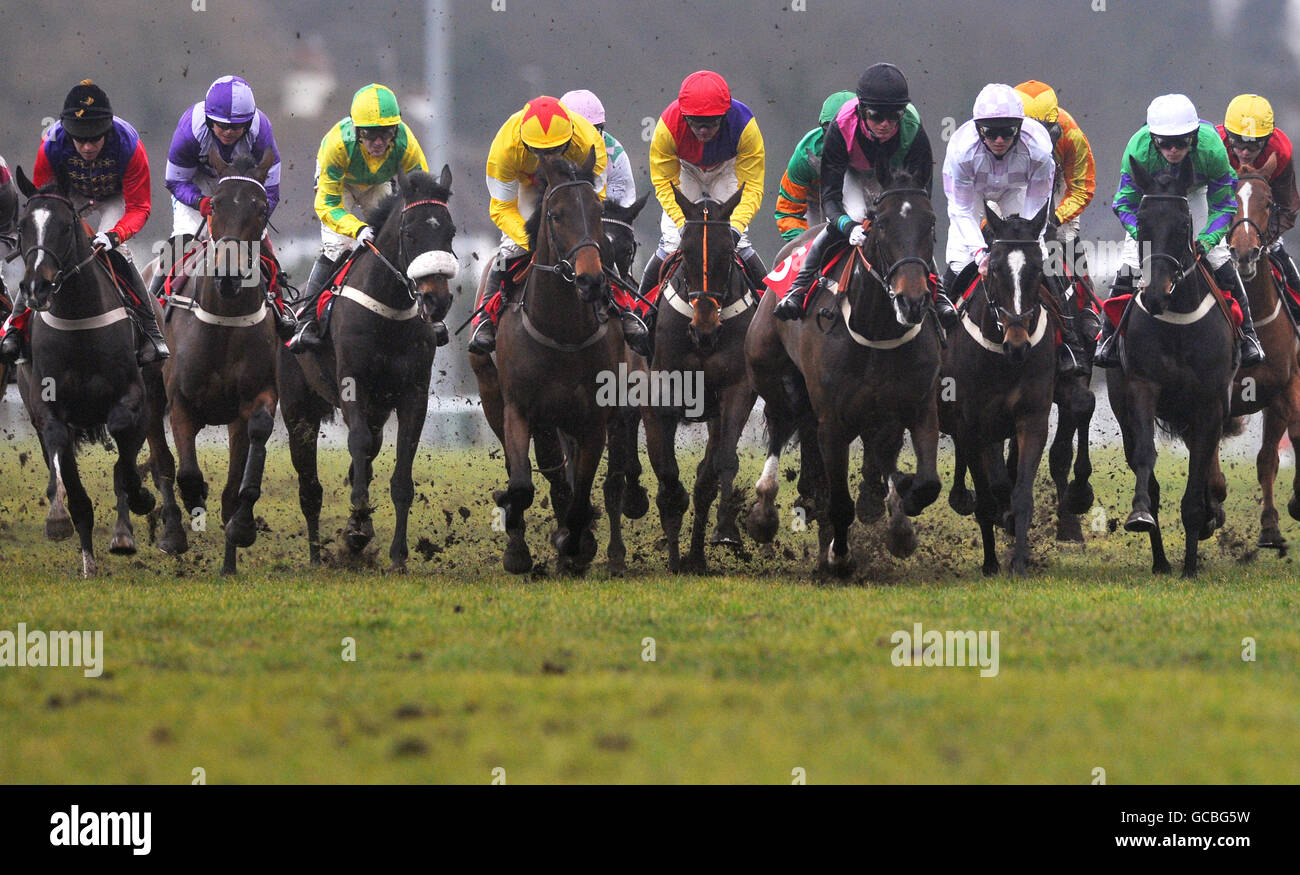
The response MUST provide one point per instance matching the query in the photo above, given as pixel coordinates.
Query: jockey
(8, 228)
(999, 156)
(879, 126)
(108, 172)
(1174, 133)
(706, 144)
(355, 170)
(801, 183)
(620, 185)
(1076, 178)
(227, 118)
(1248, 133)
(545, 126)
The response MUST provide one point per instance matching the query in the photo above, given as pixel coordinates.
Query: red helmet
(704, 93)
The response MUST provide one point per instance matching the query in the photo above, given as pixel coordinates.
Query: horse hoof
(1293, 507)
(990, 569)
(1271, 538)
(517, 559)
(1207, 530)
(762, 523)
(241, 534)
(398, 566)
(840, 566)
(142, 502)
(725, 536)
(89, 568)
(59, 528)
(869, 507)
(122, 545)
(636, 502)
(174, 545)
(1068, 530)
(617, 566)
(918, 498)
(1140, 521)
(1161, 566)
(962, 501)
(901, 539)
(1079, 497)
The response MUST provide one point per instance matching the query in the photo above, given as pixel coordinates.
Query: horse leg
(615, 490)
(737, 402)
(303, 431)
(1141, 414)
(552, 460)
(919, 490)
(361, 447)
(1203, 447)
(1031, 438)
(125, 425)
(1266, 464)
(194, 490)
(519, 490)
(174, 539)
(58, 525)
(960, 498)
(835, 458)
(704, 494)
(986, 506)
(671, 498)
(238, 440)
(763, 522)
(636, 500)
(1079, 494)
(411, 411)
(577, 546)
(58, 440)
(1059, 456)
(871, 490)
(241, 528)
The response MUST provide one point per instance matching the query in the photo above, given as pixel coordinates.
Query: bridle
(696, 295)
(564, 268)
(1179, 271)
(875, 241)
(1000, 313)
(63, 275)
(265, 213)
(400, 273)
(632, 232)
(1265, 239)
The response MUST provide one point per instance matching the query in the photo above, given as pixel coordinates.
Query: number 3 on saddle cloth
(783, 275)
(180, 273)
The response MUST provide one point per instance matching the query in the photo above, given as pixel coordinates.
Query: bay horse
(1178, 358)
(378, 359)
(1003, 364)
(82, 382)
(872, 374)
(223, 367)
(705, 310)
(1273, 386)
(554, 343)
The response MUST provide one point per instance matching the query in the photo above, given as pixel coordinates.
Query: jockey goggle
(387, 132)
(994, 132)
(97, 139)
(882, 115)
(704, 122)
(1253, 144)
(228, 126)
(1182, 141)
(551, 151)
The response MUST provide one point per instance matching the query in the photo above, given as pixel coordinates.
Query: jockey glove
(857, 236)
(107, 239)
(205, 207)
(366, 234)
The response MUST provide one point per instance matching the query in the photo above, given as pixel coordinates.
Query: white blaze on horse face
(1244, 196)
(41, 219)
(1016, 263)
(906, 208)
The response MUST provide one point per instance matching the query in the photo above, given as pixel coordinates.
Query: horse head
(708, 250)
(565, 231)
(240, 212)
(51, 239)
(620, 234)
(901, 242)
(424, 231)
(1015, 274)
(1249, 232)
(1164, 231)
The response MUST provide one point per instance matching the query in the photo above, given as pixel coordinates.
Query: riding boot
(944, 311)
(11, 346)
(635, 333)
(1107, 352)
(756, 271)
(1252, 351)
(1292, 277)
(650, 279)
(152, 346)
(484, 339)
(792, 305)
(308, 335)
(1071, 360)
(285, 325)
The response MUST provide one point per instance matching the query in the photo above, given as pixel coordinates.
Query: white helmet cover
(998, 101)
(1172, 115)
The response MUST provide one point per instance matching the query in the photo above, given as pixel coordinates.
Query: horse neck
(374, 277)
(87, 294)
(206, 284)
(553, 304)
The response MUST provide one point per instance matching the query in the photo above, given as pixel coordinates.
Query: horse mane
(423, 186)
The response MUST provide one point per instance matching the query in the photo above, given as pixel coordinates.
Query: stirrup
(791, 307)
(484, 341)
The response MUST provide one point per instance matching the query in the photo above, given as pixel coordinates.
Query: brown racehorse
(871, 374)
(223, 367)
(1274, 386)
(553, 345)
(1003, 363)
(704, 313)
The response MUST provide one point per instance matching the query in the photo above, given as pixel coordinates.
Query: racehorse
(383, 331)
(1273, 386)
(872, 373)
(704, 313)
(1003, 364)
(82, 381)
(553, 345)
(1178, 358)
(223, 368)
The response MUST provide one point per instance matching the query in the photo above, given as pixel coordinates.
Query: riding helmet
(883, 86)
(545, 123)
(87, 114)
(1172, 115)
(375, 106)
(1249, 116)
(704, 93)
(585, 104)
(230, 101)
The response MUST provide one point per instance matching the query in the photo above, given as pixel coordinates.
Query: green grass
(461, 669)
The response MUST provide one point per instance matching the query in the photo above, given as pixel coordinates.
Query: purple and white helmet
(585, 104)
(230, 101)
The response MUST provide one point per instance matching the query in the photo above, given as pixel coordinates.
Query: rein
(564, 268)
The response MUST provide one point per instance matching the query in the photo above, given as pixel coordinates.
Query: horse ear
(993, 224)
(1269, 166)
(217, 162)
(1141, 179)
(732, 202)
(403, 181)
(1185, 176)
(687, 205)
(24, 184)
(637, 206)
(589, 163)
(444, 178)
(1040, 220)
(883, 175)
(63, 180)
(264, 166)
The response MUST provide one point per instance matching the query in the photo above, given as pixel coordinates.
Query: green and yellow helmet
(375, 106)
(832, 105)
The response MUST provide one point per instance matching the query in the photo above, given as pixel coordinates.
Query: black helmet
(87, 114)
(883, 86)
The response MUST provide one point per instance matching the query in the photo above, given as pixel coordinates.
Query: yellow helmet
(545, 123)
(375, 106)
(1249, 116)
(1039, 100)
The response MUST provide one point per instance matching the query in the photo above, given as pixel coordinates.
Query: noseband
(400, 273)
(1020, 319)
(62, 276)
(1179, 271)
(694, 295)
(874, 241)
(564, 268)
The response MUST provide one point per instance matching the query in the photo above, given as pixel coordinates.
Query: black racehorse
(82, 381)
(384, 329)
(862, 363)
(1179, 356)
(1003, 364)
